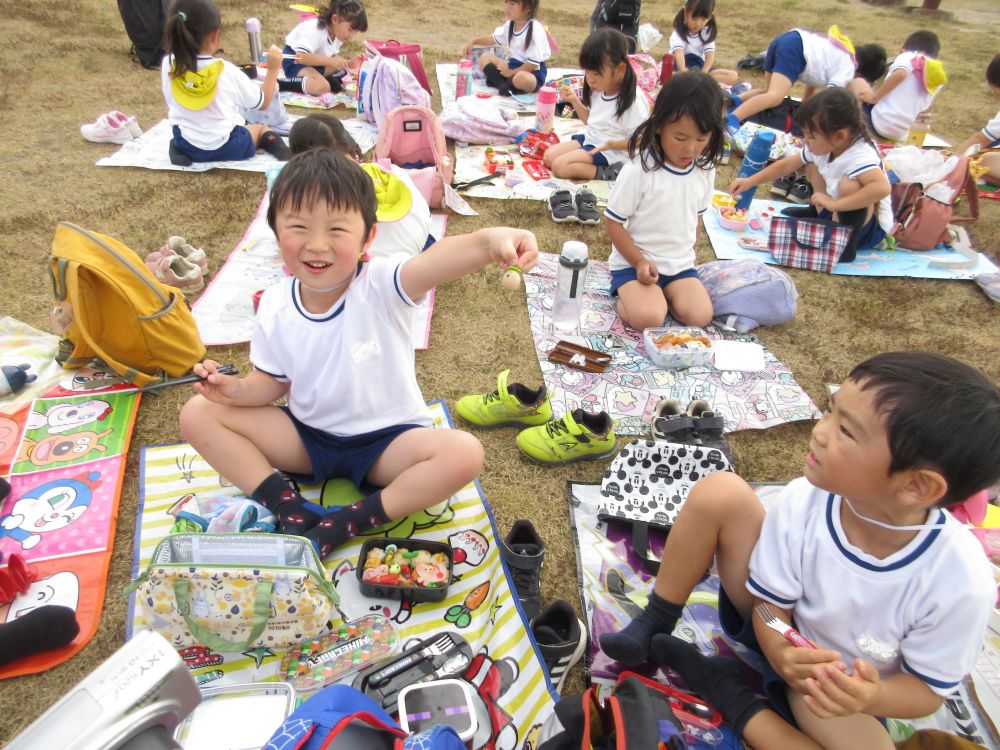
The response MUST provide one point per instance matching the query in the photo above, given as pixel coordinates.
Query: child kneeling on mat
(890, 591)
(334, 337)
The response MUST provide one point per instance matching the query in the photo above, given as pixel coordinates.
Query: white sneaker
(129, 121)
(179, 272)
(196, 255)
(106, 129)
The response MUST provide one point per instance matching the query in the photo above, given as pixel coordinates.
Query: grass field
(64, 62)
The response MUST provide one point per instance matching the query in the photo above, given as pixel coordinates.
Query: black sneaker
(586, 207)
(782, 185)
(559, 635)
(801, 191)
(562, 207)
(524, 552)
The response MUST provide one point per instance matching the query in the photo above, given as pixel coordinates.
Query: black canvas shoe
(801, 191)
(782, 185)
(524, 552)
(559, 635)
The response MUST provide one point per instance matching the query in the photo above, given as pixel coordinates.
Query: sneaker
(524, 552)
(586, 207)
(578, 436)
(179, 272)
(106, 129)
(559, 635)
(129, 121)
(562, 207)
(180, 246)
(801, 191)
(673, 425)
(509, 404)
(710, 428)
(782, 185)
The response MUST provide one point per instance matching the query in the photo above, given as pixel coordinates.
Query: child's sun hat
(393, 195)
(196, 88)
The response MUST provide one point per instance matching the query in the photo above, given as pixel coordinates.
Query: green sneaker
(512, 404)
(578, 436)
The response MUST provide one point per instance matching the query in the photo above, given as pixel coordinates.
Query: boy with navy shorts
(334, 338)
(989, 136)
(892, 593)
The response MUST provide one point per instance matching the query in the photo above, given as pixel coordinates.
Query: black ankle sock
(801, 212)
(336, 81)
(48, 627)
(178, 157)
(496, 79)
(275, 146)
(292, 84)
(856, 221)
(717, 679)
(279, 497)
(342, 524)
(631, 646)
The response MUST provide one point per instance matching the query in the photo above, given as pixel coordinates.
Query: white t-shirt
(535, 53)
(408, 234)
(351, 367)
(604, 126)
(861, 156)
(209, 128)
(692, 44)
(310, 36)
(893, 115)
(826, 63)
(660, 210)
(992, 129)
(921, 610)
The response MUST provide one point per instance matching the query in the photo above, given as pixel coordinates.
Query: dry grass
(64, 62)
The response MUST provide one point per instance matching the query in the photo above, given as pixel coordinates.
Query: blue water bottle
(754, 160)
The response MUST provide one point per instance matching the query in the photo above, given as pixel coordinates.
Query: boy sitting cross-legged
(334, 337)
(858, 555)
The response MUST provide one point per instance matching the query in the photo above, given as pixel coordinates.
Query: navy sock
(342, 524)
(42, 629)
(275, 146)
(178, 157)
(631, 646)
(279, 497)
(717, 679)
(292, 84)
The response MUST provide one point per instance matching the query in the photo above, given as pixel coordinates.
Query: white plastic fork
(791, 635)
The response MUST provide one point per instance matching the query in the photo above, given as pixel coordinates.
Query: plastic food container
(733, 225)
(677, 348)
(414, 569)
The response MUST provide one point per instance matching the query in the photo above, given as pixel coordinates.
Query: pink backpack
(411, 137)
(383, 85)
(921, 222)
(408, 54)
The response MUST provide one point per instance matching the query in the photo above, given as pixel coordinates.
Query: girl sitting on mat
(526, 44)
(206, 96)
(312, 64)
(692, 42)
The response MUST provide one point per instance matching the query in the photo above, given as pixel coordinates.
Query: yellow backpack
(109, 306)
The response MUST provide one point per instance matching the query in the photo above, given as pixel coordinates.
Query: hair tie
(183, 16)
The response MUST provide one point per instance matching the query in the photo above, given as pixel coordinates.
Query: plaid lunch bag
(812, 244)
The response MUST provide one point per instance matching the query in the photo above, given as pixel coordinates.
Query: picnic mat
(21, 344)
(632, 386)
(898, 262)
(224, 311)
(446, 73)
(150, 151)
(512, 692)
(615, 587)
(60, 516)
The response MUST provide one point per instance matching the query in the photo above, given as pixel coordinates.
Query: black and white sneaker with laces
(559, 635)
(561, 206)
(801, 191)
(586, 207)
(524, 552)
(783, 184)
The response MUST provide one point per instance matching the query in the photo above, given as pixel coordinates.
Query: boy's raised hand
(831, 692)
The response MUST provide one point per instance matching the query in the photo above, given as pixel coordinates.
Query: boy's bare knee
(193, 414)
(720, 493)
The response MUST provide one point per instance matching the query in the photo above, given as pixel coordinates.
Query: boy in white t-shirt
(335, 339)
(913, 80)
(858, 555)
(312, 61)
(989, 136)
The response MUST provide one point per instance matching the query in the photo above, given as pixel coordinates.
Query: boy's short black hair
(939, 413)
(323, 175)
(923, 41)
(871, 61)
(993, 72)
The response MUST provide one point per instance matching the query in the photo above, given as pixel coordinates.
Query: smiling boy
(857, 554)
(334, 337)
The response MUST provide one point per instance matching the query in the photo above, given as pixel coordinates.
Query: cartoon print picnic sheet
(65, 475)
(898, 262)
(511, 692)
(21, 344)
(447, 72)
(224, 311)
(615, 587)
(632, 386)
(150, 150)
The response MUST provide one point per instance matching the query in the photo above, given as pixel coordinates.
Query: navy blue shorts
(625, 275)
(539, 72)
(785, 56)
(692, 62)
(237, 148)
(332, 456)
(599, 159)
(866, 110)
(292, 69)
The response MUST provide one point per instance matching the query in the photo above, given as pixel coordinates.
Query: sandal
(709, 427)
(672, 425)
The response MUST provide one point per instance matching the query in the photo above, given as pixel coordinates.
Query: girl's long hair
(698, 9)
(187, 24)
(609, 47)
(532, 6)
(694, 94)
(831, 110)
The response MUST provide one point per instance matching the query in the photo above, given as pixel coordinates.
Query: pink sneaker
(106, 129)
(179, 272)
(180, 246)
(129, 121)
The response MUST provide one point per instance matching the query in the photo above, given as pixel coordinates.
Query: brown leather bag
(921, 222)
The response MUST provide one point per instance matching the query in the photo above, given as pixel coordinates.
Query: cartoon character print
(62, 417)
(404, 528)
(345, 580)
(55, 449)
(491, 680)
(47, 508)
(469, 548)
(60, 588)
(9, 432)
